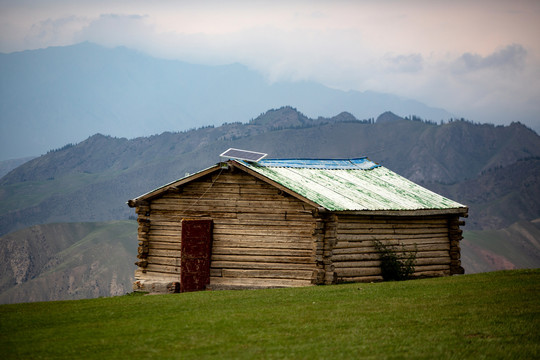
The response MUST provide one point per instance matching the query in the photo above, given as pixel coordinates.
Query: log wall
(262, 237)
(355, 259)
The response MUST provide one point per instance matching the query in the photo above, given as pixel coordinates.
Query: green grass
(482, 316)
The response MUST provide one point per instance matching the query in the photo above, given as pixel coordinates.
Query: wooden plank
(255, 221)
(182, 203)
(260, 265)
(164, 238)
(164, 260)
(187, 209)
(351, 221)
(261, 231)
(256, 282)
(270, 250)
(289, 238)
(272, 274)
(357, 264)
(257, 242)
(163, 269)
(361, 279)
(367, 249)
(401, 225)
(264, 259)
(353, 241)
(407, 213)
(158, 276)
(434, 267)
(396, 231)
(164, 245)
(375, 256)
(375, 262)
(432, 273)
(295, 215)
(369, 242)
(170, 253)
(357, 272)
(167, 233)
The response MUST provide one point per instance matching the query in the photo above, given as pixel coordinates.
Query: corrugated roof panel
(340, 185)
(329, 164)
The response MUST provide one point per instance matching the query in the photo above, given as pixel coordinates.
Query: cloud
(511, 57)
(54, 32)
(439, 53)
(117, 30)
(411, 63)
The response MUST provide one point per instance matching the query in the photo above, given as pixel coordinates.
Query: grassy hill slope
(492, 316)
(514, 247)
(67, 261)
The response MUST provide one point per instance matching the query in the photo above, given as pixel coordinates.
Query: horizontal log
(175, 246)
(370, 242)
(164, 238)
(164, 260)
(194, 209)
(260, 265)
(432, 273)
(175, 217)
(361, 279)
(396, 231)
(262, 231)
(164, 252)
(171, 270)
(158, 276)
(269, 251)
(375, 255)
(224, 196)
(163, 232)
(368, 249)
(426, 268)
(286, 238)
(306, 222)
(264, 243)
(183, 203)
(264, 259)
(272, 274)
(443, 261)
(402, 225)
(357, 272)
(356, 219)
(222, 282)
(356, 257)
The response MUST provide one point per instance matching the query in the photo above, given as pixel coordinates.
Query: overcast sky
(476, 59)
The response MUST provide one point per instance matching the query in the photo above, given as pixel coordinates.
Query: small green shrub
(395, 264)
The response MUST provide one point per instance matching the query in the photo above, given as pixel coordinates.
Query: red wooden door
(195, 250)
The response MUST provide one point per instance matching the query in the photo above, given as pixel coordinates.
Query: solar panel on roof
(243, 155)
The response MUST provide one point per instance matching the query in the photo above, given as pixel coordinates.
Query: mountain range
(59, 95)
(495, 170)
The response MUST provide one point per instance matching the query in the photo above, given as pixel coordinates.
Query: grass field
(481, 316)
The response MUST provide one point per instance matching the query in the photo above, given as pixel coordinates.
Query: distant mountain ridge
(495, 170)
(92, 180)
(59, 95)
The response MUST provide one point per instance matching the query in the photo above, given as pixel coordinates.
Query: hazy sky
(476, 59)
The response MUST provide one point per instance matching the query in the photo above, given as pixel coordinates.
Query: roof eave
(462, 212)
(173, 186)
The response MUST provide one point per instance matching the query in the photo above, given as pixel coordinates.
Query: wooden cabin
(289, 222)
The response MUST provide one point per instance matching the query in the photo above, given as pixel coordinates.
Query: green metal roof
(350, 185)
